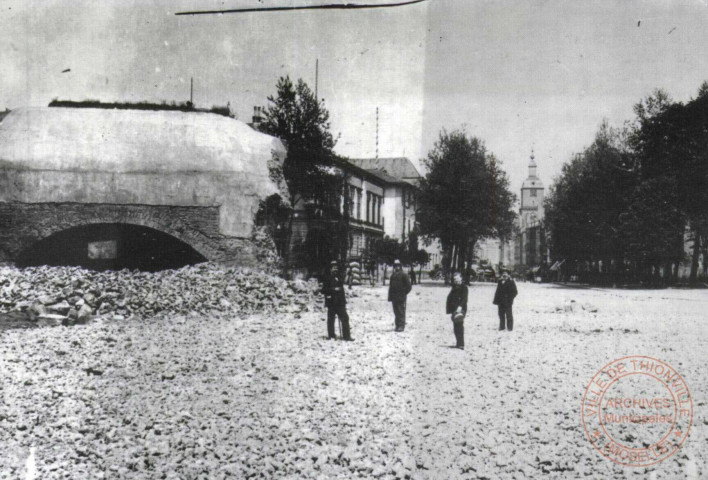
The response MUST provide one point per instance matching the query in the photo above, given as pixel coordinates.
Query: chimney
(257, 117)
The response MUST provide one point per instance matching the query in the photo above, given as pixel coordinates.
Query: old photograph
(353, 239)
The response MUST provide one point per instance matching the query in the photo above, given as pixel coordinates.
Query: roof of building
(121, 141)
(398, 167)
(377, 175)
(382, 175)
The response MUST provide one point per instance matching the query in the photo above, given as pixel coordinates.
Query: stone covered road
(270, 397)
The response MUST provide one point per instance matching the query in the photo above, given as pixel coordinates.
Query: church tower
(530, 247)
(531, 211)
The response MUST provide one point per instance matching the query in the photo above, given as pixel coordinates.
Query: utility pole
(377, 132)
(191, 91)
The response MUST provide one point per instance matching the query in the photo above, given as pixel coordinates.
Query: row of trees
(622, 207)
(387, 250)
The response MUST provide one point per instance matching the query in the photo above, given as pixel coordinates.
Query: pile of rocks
(69, 295)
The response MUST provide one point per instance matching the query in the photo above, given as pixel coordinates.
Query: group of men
(400, 287)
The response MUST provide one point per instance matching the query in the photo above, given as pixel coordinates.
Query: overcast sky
(516, 73)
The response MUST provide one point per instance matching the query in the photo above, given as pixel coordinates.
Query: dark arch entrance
(111, 246)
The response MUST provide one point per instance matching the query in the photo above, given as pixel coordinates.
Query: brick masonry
(23, 224)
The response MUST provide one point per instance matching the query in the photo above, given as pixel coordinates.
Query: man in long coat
(456, 307)
(336, 303)
(398, 289)
(504, 299)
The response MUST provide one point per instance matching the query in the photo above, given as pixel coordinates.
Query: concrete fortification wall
(199, 177)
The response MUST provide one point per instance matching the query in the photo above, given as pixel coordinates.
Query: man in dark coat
(456, 307)
(336, 303)
(398, 289)
(504, 299)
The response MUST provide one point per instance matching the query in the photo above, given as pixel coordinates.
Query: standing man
(336, 303)
(371, 266)
(398, 289)
(456, 307)
(504, 299)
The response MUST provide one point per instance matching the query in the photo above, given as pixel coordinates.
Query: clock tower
(530, 245)
(531, 212)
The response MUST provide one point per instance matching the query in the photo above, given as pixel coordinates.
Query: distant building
(527, 248)
(381, 203)
(499, 254)
(399, 204)
(530, 242)
(398, 167)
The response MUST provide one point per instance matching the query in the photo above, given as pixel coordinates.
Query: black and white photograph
(353, 239)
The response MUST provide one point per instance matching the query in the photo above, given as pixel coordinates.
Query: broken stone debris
(68, 295)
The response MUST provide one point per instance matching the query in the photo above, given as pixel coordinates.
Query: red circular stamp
(637, 411)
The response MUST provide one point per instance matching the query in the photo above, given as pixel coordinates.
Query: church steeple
(532, 166)
(532, 250)
(532, 188)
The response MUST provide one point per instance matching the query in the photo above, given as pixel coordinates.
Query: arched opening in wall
(111, 246)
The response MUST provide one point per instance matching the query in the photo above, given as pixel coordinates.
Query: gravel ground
(269, 397)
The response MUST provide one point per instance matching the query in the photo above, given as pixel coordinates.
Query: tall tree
(630, 196)
(464, 197)
(582, 211)
(672, 148)
(302, 122)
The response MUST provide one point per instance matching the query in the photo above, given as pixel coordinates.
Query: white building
(399, 195)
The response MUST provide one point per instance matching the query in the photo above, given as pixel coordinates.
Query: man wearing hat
(504, 299)
(398, 289)
(336, 302)
(456, 307)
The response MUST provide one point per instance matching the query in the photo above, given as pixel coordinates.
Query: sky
(524, 74)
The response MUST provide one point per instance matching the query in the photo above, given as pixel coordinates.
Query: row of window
(373, 205)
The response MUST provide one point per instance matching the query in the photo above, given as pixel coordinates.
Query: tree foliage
(301, 121)
(627, 199)
(582, 210)
(672, 149)
(464, 197)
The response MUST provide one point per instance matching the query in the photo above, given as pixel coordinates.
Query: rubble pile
(68, 295)
(229, 397)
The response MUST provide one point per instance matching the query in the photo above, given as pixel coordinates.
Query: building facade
(498, 253)
(380, 204)
(530, 248)
(401, 178)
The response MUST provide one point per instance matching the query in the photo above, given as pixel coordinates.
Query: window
(358, 203)
(373, 208)
(410, 198)
(533, 192)
(355, 202)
